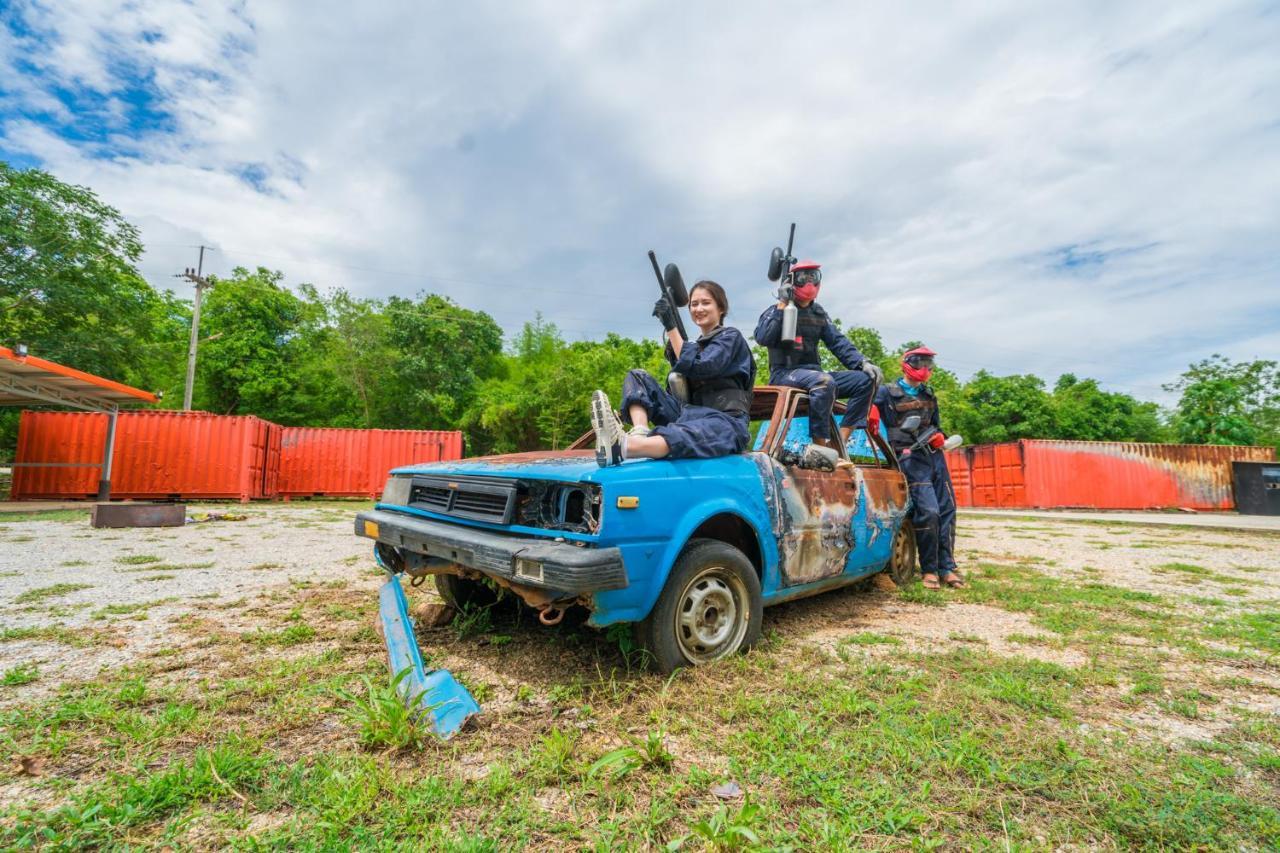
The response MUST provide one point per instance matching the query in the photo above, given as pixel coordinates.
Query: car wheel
(710, 607)
(902, 557)
(463, 594)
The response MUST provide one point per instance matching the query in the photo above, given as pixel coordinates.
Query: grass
(137, 559)
(23, 673)
(43, 593)
(168, 567)
(291, 735)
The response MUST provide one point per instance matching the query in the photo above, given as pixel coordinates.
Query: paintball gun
(779, 270)
(912, 423)
(671, 284)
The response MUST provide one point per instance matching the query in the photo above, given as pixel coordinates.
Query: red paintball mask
(806, 278)
(917, 364)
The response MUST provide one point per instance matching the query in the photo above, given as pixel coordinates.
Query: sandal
(954, 580)
(930, 581)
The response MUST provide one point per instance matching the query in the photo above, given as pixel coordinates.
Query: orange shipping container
(159, 454)
(1100, 474)
(355, 462)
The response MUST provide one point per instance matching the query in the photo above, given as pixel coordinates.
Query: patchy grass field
(228, 690)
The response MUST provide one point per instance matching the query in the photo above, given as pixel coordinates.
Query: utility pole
(195, 276)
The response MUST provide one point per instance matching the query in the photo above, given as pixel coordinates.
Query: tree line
(71, 291)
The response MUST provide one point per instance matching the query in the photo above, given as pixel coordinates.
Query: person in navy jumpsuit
(933, 505)
(720, 372)
(798, 364)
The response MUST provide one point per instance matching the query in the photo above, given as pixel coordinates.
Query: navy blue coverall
(933, 503)
(799, 367)
(719, 360)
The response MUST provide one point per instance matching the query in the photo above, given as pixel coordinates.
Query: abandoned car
(688, 550)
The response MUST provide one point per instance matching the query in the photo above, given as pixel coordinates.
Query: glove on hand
(873, 370)
(937, 440)
(665, 313)
(873, 419)
(784, 293)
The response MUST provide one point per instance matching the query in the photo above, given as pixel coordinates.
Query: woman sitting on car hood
(720, 373)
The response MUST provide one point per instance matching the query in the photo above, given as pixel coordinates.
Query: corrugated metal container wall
(1097, 474)
(1117, 475)
(355, 462)
(159, 454)
(961, 480)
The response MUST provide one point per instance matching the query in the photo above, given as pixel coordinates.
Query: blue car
(689, 551)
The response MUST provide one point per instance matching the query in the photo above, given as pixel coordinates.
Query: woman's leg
(645, 447)
(703, 433)
(644, 400)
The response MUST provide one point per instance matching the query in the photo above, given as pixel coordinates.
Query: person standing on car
(933, 505)
(720, 373)
(799, 365)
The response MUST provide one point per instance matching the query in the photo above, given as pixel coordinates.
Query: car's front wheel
(710, 607)
(463, 594)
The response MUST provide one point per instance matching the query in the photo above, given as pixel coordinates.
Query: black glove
(873, 370)
(665, 313)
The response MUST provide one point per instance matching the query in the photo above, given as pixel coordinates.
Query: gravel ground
(126, 587)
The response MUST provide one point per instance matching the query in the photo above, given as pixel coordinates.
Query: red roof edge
(71, 373)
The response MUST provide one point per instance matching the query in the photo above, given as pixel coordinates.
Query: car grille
(475, 498)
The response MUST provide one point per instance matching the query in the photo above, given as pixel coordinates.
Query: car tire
(903, 569)
(709, 608)
(464, 594)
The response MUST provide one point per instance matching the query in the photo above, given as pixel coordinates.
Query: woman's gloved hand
(665, 313)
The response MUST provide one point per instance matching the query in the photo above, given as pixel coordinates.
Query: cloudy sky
(1085, 187)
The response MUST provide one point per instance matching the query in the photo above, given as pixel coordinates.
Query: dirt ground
(126, 590)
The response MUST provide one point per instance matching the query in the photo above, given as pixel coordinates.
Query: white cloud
(943, 163)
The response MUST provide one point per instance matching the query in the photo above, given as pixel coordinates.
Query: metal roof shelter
(27, 380)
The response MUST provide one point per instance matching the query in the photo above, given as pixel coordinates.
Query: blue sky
(1088, 187)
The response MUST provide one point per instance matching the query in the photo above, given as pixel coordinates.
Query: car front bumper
(565, 567)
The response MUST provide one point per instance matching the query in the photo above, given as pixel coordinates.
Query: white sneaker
(610, 437)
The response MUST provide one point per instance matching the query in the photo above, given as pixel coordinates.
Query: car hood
(580, 466)
(573, 465)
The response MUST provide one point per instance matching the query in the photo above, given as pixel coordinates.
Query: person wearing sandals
(720, 373)
(933, 505)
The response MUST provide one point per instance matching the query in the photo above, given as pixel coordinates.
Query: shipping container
(1099, 474)
(355, 462)
(159, 454)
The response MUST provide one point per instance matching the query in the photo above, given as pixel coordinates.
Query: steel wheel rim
(902, 566)
(711, 615)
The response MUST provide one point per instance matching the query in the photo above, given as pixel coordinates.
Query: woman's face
(703, 309)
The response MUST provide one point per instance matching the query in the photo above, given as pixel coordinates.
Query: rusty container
(961, 482)
(334, 462)
(1129, 475)
(1099, 474)
(158, 455)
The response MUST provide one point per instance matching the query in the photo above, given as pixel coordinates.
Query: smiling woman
(711, 420)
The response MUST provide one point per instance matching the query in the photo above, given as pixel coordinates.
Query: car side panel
(673, 502)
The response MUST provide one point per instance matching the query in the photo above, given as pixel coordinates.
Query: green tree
(249, 363)
(1000, 408)
(442, 352)
(1082, 411)
(1226, 402)
(70, 289)
(540, 398)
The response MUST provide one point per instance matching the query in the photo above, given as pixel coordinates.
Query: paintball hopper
(953, 441)
(779, 261)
